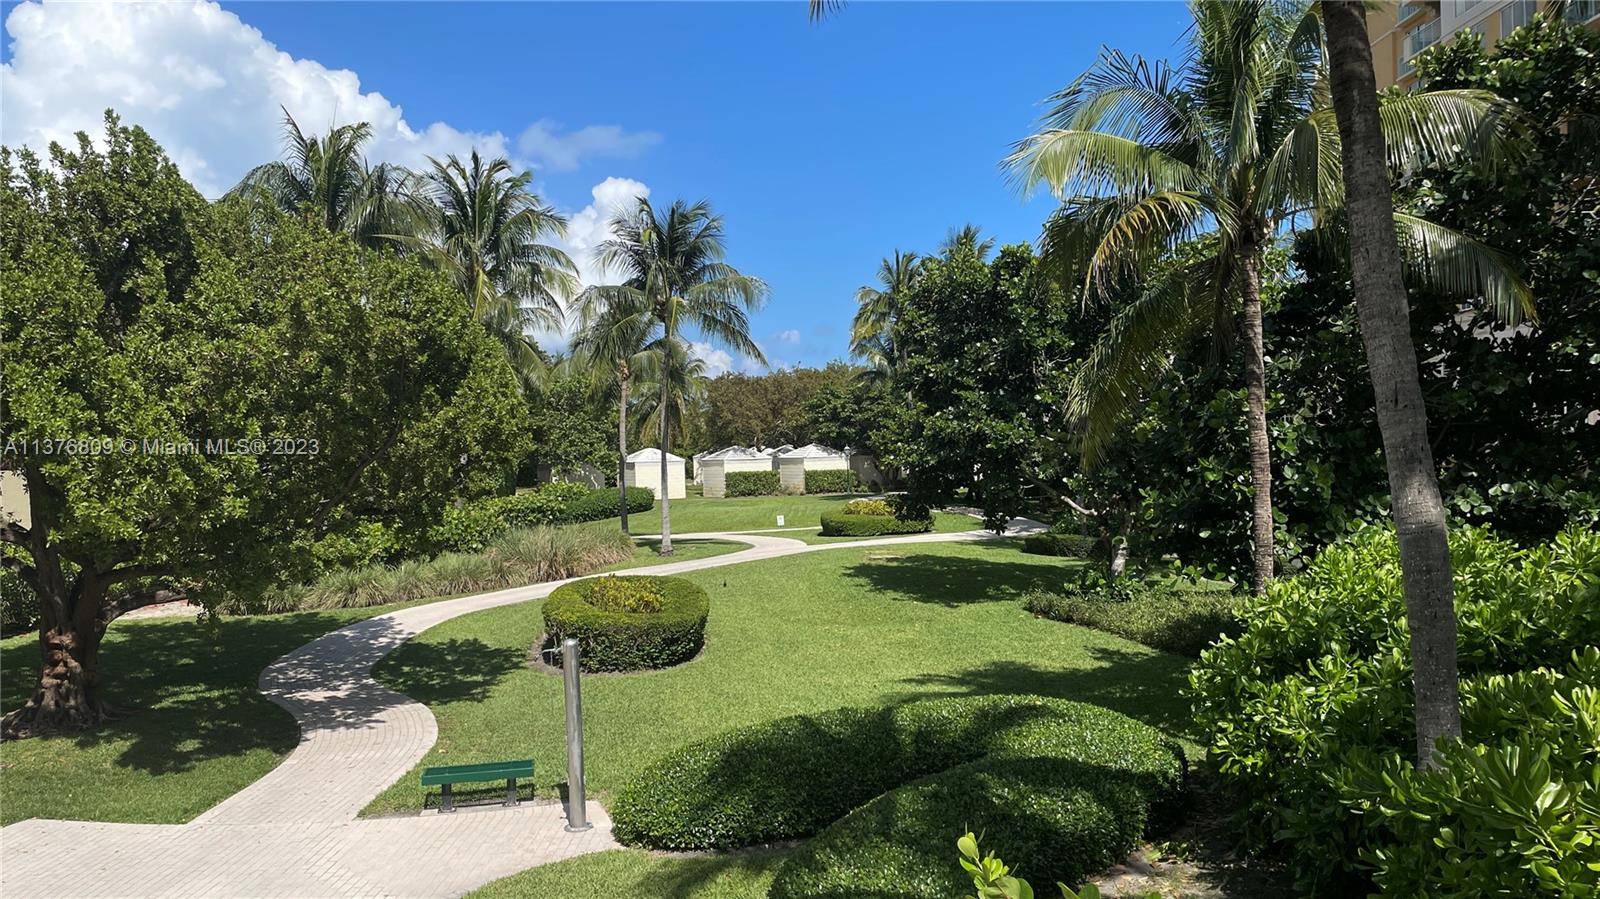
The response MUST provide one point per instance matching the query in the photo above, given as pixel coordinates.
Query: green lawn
(682, 550)
(753, 513)
(196, 731)
(630, 874)
(852, 626)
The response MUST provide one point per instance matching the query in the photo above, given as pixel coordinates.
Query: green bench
(445, 775)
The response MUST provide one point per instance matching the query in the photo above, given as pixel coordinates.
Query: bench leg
(511, 791)
(444, 799)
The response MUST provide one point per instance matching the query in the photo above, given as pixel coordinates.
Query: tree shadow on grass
(953, 581)
(454, 670)
(188, 692)
(1145, 686)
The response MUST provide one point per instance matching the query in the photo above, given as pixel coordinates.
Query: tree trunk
(666, 508)
(1255, 378)
(68, 695)
(1392, 360)
(622, 449)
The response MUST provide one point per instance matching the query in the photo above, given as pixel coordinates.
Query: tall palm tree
(325, 180)
(479, 222)
(613, 334)
(1381, 305)
(877, 311)
(1236, 144)
(685, 393)
(676, 279)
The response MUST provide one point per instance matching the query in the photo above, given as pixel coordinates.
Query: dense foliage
(836, 481)
(1173, 617)
(769, 409)
(847, 524)
(868, 507)
(571, 428)
(752, 483)
(473, 525)
(1304, 709)
(1050, 543)
(620, 640)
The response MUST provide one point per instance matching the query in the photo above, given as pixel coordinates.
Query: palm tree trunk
(622, 448)
(666, 507)
(1392, 361)
(1255, 378)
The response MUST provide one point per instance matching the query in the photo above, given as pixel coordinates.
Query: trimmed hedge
(840, 480)
(1077, 546)
(751, 483)
(476, 524)
(1184, 622)
(1025, 770)
(629, 641)
(844, 524)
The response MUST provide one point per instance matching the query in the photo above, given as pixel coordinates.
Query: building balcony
(1421, 37)
(1582, 10)
(1414, 8)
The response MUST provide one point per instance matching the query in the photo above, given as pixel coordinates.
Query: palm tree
(878, 310)
(967, 240)
(1392, 361)
(1236, 145)
(675, 278)
(686, 389)
(325, 180)
(612, 337)
(481, 224)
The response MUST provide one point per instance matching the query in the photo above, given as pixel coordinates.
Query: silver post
(577, 809)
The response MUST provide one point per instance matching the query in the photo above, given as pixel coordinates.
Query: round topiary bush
(629, 623)
(1071, 786)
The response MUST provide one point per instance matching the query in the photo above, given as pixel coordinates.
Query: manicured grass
(196, 731)
(803, 633)
(631, 874)
(743, 513)
(682, 550)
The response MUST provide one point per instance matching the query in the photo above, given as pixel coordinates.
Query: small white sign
(780, 521)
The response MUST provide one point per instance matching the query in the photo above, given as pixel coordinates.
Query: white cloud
(789, 336)
(717, 361)
(586, 230)
(543, 142)
(212, 91)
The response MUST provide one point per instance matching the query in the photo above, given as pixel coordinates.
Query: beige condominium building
(1400, 31)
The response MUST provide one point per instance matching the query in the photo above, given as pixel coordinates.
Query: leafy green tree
(569, 424)
(1237, 143)
(768, 409)
(851, 412)
(675, 278)
(483, 226)
(229, 389)
(685, 392)
(877, 311)
(324, 179)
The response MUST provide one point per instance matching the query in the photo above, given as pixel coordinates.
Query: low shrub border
(752, 483)
(474, 525)
(1077, 546)
(834, 481)
(844, 524)
(1065, 786)
(1161, 616)
(630, 641)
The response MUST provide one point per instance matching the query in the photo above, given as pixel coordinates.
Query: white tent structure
(715, 467)
(793, 465)
(643, 469)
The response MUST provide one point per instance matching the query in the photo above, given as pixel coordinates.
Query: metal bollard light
(577, 807)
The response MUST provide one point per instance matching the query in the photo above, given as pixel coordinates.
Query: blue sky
(825, 147)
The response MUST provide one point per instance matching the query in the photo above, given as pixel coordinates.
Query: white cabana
(715, 467)
(793, 465)
(643, 469)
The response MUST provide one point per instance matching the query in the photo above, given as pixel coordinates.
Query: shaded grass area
(195, 729)
(631, 874)
(815, 631)
(695, 514)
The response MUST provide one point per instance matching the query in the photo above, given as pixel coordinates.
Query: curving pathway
(294, 832)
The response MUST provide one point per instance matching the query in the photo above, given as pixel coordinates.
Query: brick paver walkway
(294, 832)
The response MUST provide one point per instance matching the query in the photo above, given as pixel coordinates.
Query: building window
(1582, 10)
(1421, 36)
(1516, 15)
